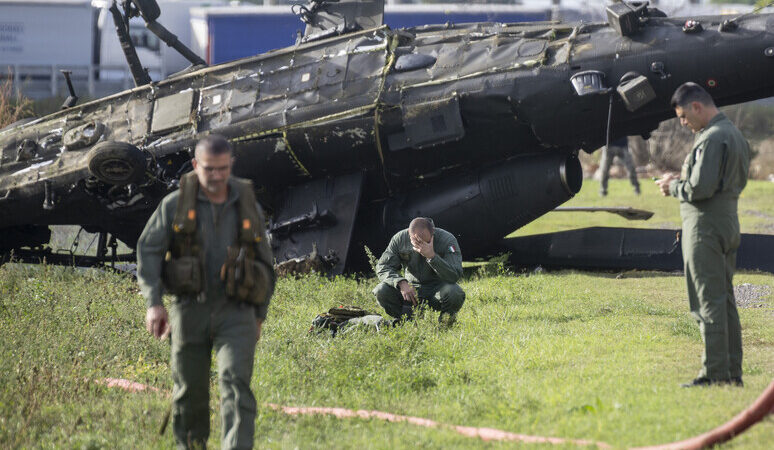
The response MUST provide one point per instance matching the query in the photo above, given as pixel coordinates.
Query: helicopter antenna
(72, 99)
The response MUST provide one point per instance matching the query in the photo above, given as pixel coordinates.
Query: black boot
(704, 382)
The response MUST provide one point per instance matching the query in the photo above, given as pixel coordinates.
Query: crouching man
(432, 262)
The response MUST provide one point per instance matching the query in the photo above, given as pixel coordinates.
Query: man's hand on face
(423, 248)
(663, 182)
(157, 322)
(408, 292)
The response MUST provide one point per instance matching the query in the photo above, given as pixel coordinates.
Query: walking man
(432, 262)
(618, 148)
(713, 175)
(206, 244)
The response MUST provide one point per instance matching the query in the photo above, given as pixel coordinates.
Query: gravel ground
(751, 295)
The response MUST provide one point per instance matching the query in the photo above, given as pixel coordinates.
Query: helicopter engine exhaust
(482, 207)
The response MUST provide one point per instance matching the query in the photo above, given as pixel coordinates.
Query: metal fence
(92, 81)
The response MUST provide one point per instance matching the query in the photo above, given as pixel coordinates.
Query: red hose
(762, 407)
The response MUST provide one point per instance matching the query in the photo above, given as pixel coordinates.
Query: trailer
(59, 32)
(40, 38)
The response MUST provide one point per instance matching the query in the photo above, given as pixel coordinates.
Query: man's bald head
(422, 227)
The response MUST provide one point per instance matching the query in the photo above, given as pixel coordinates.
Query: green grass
(576, 355)
(756, 209)
(569, 354)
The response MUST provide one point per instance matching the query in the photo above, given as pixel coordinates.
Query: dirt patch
(751, 295)
(766, 227)
(758, 214)
(762, 165)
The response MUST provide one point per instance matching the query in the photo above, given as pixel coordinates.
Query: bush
(12, 108)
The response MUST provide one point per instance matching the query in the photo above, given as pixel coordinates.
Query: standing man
(713, 175)
(433, 263)
(618, 148)
(206, 243)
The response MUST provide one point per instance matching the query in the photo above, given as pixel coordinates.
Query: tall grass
(12, 108)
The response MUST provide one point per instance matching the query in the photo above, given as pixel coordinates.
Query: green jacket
(216, 228)
(446, 266)
(715, 171)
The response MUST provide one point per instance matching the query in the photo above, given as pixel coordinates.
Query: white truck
(38, 38)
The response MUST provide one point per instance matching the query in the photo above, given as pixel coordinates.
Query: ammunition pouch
(183, 275)
(246, 278)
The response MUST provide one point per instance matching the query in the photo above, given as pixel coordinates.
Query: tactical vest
(247, 278)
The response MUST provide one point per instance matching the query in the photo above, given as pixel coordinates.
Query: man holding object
(713, 175)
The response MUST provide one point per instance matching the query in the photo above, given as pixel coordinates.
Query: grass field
(756, 208)
(578, 355)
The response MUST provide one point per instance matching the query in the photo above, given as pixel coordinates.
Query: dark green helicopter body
(348, 137)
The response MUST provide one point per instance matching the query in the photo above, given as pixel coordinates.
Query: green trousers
(443, 297)
(230, 329)
(709, 254)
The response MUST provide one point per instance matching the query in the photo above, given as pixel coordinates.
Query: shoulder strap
(185, 214)
(250, 228)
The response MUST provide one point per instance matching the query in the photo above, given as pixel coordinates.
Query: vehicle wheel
(18, 122)
(116, 163)
(148, 8)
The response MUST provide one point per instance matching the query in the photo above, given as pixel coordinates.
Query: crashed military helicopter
(358, 128)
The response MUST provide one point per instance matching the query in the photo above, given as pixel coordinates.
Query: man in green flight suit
(433, 263)
(713, 175)
(188, 248)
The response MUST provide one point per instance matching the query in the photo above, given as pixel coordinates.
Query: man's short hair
(421, 223)
(691, 92)
(213, 144)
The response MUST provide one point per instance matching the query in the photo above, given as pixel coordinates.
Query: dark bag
(336, 318)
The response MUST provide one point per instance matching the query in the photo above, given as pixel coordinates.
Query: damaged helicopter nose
(116, 163)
